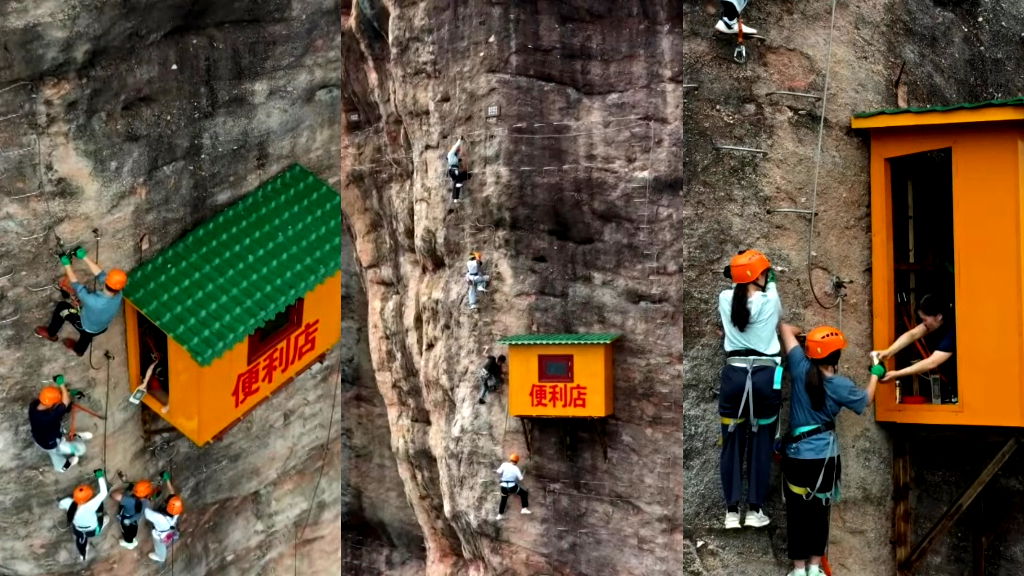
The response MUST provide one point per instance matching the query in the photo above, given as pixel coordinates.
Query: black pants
(82, 538)
(506, 491)
(64, 312)
(729, 11)
(129, 530)
(806, 515)
(458, 178)
(743, 444)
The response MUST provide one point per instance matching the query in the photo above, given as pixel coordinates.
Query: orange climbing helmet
(82, 494)
(143, 489)
(823, 341)
(116, 279)
(513, 458)
(746, 266)
(50, 396)
(175, 506)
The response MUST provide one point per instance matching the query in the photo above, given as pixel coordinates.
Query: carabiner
(740, 54)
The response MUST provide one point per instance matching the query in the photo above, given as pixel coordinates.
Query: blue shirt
(840, 392)
(762, 331)
(98, 309)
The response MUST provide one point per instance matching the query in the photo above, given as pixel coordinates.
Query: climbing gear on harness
(746, 266)
(748, 394)
(808, 431)
(740, 54)
(823, 341)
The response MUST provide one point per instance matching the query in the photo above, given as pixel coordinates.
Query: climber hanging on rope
(45, 415)
(751, 385)
(456, 170)
(164, 520)
(98, 308)
(133, 502)
(811, 466)
(511, 476)
(476, 280)
(730, 22)
(85, 512)
(490, 376)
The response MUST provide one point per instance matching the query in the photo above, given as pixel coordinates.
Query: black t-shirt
(46, 423)
(493, 368)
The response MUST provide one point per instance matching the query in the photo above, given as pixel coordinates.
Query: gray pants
(64, 449)
(487, 383)
(159, 548)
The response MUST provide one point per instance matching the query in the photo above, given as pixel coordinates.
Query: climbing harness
(748, 395)
(833, 495)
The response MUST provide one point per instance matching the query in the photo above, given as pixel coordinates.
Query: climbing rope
(320, 475)
(106, 406)
(817, 166)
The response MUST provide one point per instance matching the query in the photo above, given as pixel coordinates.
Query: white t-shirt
(510, 473)
(473, 267)
(761, 333)
(160, 522)
(85, 518)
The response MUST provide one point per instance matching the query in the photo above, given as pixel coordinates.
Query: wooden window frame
(544, 359)
(260, 343)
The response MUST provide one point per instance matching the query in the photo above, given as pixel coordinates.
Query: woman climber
(751, 390)
(811, 467)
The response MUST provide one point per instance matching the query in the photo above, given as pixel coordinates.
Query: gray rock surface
(142, 119)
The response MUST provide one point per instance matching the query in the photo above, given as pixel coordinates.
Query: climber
(511, 476)
(729, 22)
(85, 512)
(456, 170)
(165, 521)
(811, 466)
(134, 500)
(45, 415)
(937, 319)
(98, 308)
(490, 376)
(476, 280)
(751, 385)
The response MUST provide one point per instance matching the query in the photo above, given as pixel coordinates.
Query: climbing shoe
(732, 520)
(69, 343)
(42, 332)
(756, 519)
(726, 28)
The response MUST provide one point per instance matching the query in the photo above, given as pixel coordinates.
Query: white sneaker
(732, 520)
(130, 546)
(797, 572)
(473, 307)
(756, 519)
(499, 517)
(84, 435)
(74, 460)
(481, 289)
(724, 28)
(814, 570)
(153, 556)
(525, 511)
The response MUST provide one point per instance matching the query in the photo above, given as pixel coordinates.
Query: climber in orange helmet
(85, 512)
(811, 467)
(164, 520)
(98, 308)
(511, 476)
(45, 416)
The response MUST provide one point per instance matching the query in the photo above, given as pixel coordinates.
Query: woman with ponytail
(811, 467)
(751, 388)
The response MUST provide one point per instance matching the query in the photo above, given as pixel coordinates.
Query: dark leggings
(729, 11)
(129, 530)
(743, 445)
(64, 312)
(82, 538)
(807, 516)
(506, 491)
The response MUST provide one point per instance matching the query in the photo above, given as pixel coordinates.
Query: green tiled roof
(230, 275)
(1018, 101)
(604, 338)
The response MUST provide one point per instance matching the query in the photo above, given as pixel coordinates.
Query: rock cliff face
(140, 120)
(601, 202)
